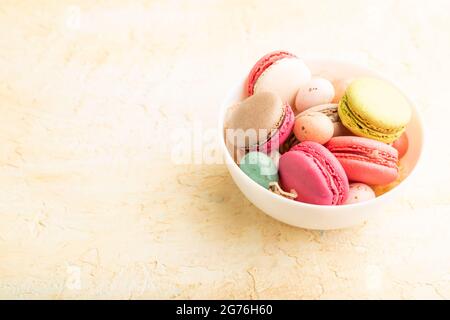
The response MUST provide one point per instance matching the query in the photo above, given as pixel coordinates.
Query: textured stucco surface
(91, 205)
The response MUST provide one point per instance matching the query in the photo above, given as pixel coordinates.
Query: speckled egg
(313, 126)
(315, 92)
(359, 192)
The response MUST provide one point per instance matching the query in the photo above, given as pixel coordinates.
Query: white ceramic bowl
(315, 216)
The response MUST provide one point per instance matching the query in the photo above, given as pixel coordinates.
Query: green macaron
(260, 168)
(375, 109)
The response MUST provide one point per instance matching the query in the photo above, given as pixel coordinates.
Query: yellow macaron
(375, 109)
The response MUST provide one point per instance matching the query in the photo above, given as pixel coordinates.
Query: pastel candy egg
(260, 168)
(313, 126)
(359, 192)
(317, 91)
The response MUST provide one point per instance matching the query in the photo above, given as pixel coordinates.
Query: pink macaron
(279, 72)
(401, 144)
(314, 173)
(365, 160)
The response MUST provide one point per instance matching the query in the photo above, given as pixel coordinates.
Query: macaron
(359, 192)
(375, 109)
(365, 160)
(260, 122)
(314, 173)
(401, 144)
(313, 126)
(279, 72)
(289, 143)
(313, 93)
(260, 168)
(331, 111)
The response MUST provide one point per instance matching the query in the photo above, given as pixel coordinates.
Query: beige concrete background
(91, 205)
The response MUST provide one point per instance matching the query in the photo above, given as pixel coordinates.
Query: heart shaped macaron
(314, 173)
(375, 109)
(261, 122)
(279, 72)
(365, 160)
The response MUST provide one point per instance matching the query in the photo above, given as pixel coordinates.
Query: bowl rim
(308, 59)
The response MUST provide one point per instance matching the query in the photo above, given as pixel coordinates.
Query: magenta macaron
(365, 160)
(314, 173)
